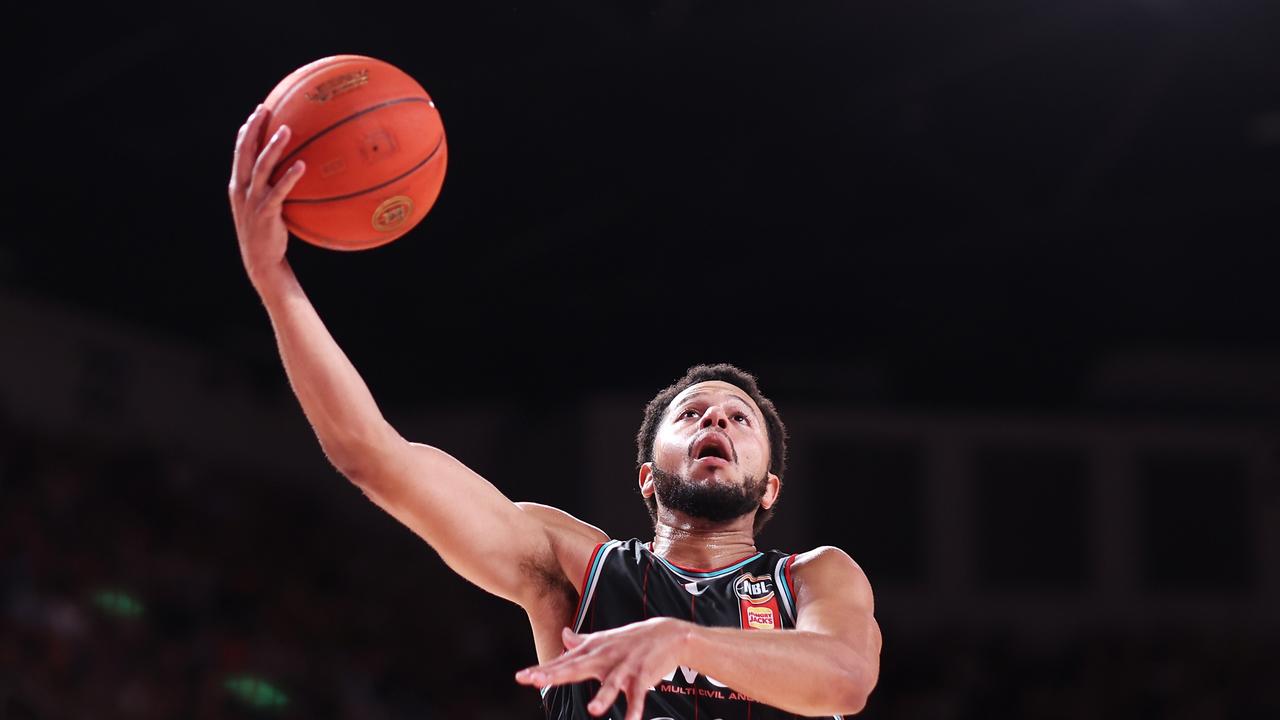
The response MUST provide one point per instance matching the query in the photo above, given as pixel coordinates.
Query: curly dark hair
(657, 407)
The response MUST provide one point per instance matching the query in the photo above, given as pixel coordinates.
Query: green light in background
(118, 603)
(255, 691)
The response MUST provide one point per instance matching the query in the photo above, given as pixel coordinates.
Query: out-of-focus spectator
(141, 586)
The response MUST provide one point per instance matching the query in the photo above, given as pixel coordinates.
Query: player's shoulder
(560, 522)
(826, 555)
(828, 566)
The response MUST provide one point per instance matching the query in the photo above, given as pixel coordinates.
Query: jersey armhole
(588, 580)
(782, 576)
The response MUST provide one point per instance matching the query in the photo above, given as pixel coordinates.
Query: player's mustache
(722, 441)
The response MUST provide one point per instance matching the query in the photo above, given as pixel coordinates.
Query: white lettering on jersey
(690, 675)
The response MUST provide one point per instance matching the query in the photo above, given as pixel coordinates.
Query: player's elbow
(360, 458)
(347, 459)
(853, 696)
(354, 471)
(857, 680)
(853, 702)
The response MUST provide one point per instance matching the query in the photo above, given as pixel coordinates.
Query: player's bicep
(478, 532)
(833, 597)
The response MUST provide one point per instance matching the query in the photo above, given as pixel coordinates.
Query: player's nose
(715, 415)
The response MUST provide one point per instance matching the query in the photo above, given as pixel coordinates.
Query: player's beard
(711, 501)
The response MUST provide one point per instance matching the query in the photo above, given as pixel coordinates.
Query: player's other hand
(629, 659)
(255, 203)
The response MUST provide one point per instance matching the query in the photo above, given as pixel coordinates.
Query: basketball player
(695, 624)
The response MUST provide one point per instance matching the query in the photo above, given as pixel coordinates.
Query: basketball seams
(301, 83)
(332, 243)
(361, 113)
(318, 201)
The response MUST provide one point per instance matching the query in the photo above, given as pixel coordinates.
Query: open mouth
(712, 446)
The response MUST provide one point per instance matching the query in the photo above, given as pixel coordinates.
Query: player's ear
(646, 480)
(772, 488)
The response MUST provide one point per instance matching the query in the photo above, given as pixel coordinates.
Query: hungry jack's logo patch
(760, 618)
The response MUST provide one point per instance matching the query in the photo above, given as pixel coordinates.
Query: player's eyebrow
(696, 395)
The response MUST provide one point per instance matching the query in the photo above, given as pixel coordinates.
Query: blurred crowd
(139, 585)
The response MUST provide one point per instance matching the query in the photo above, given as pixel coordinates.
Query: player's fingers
(561, 670)
(236, 164)
(609, 690)
(275, 198)
(556, 666)
(266, 162)
(538, 674)
(569, 656)
(544, 668)
(636, 692)
(576, 672)
(246, 150)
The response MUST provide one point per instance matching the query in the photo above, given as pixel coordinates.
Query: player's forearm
(806, 673)
(334, 397)
(419, 485)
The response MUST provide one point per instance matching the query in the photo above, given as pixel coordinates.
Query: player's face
(713, 433)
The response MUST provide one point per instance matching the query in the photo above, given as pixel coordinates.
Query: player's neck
(694, 543)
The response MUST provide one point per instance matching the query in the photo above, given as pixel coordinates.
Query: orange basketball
(374, 148)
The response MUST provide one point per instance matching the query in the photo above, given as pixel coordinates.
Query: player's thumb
(571, 638)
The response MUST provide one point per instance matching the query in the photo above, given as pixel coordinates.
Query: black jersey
(625, 583)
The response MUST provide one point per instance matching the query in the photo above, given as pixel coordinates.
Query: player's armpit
(572, 540)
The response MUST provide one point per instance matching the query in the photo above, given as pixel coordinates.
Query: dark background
(922, 216)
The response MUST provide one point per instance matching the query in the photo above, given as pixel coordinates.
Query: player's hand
(630, 659)
(255, 203)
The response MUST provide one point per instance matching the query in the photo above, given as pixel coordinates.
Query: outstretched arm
(828, 665)
(476, 530)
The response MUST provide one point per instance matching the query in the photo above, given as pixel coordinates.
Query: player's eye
(740, 417)
(687, 413)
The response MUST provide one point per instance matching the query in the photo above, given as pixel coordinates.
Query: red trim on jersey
(644, 591)
(786, 572)
(586, 576)
(693, 617)
(695, 706)
(706, 570)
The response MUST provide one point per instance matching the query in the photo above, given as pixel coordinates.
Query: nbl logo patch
(757, 602)
(754, 589)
